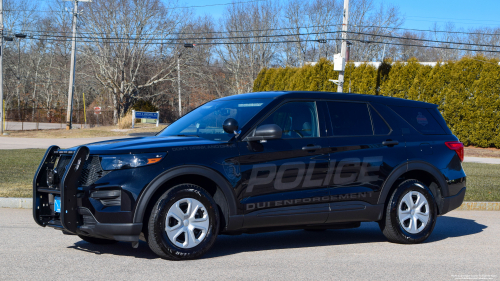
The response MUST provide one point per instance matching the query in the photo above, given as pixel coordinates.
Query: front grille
(91, 171)
(62, 164)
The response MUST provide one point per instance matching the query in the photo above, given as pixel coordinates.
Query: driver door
(283, 180)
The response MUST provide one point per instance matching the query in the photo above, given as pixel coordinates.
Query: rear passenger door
(363, 151)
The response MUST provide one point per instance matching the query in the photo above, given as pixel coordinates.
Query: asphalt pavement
(464, 245)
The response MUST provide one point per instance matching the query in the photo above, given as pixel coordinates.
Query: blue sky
(419, 14)
(465, 14)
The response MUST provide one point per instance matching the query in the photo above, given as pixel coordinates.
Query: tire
(98, 241)
(404, 221)
(184, 223)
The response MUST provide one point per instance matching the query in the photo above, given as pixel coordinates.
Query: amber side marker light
(153, 160)
(458, 147)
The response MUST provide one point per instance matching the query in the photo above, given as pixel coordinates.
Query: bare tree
(125, 35)
(249, 47)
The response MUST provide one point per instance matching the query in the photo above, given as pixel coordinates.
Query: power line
(108, 40)
(194, 38)
(428, 30)
(424, 40)
(39, 33)
(310, 40)
(198, 43)
(191, 33)
(425, 46)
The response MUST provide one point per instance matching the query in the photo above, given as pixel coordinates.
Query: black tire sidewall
(174, 195)
(396, 199)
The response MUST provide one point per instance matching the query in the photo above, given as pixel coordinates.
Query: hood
(144, 144)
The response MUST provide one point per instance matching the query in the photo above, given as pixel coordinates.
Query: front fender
(164, 177)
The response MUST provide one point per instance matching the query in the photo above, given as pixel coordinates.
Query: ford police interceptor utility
(259, 162)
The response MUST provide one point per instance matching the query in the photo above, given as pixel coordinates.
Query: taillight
(458, 147)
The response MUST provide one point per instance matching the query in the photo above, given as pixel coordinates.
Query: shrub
(467, 91)
(126, 121)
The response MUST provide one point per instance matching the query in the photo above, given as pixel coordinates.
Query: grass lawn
(17, 168)
(103, 131)
(483, 182)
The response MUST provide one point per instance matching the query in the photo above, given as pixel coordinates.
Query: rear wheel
(99, 241)
(183, 224)
(410, 215)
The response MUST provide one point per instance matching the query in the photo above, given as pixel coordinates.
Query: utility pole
(71, 87)
(1, 68)
(179, 82)
(340, 85)
(187, 45)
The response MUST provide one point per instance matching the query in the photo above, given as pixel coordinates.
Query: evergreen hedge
(467, 91)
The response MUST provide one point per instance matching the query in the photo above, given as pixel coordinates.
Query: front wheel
(184, 223)
(410, 215)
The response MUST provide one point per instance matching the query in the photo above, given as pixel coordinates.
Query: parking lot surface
(464, 245)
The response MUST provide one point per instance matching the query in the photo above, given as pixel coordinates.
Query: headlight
(125, 161)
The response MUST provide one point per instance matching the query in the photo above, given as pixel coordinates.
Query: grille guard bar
(69, 216)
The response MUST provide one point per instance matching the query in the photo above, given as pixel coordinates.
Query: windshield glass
(206, 121)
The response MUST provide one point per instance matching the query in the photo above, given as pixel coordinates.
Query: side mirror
(266, 132)
(230, 126)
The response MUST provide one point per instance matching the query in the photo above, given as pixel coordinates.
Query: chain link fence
(40, 118)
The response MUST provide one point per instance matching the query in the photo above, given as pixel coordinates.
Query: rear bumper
(453, 202)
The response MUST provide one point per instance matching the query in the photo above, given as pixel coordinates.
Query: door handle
(311, 147)
(390, 143)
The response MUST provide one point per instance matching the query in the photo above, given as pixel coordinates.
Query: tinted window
(206, 121)
(296, 119)
(420, 118)
(379, 125)
(350, 119)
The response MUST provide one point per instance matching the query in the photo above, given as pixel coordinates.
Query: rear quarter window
(421, 119)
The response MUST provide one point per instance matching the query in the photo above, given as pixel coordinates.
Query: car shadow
(225, 245)
(449, 227)
(118, 249)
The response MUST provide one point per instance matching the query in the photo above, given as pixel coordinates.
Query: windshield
(206, 121)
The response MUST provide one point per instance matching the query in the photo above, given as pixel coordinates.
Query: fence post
(37, 118)
(158, 120)
(133, 118)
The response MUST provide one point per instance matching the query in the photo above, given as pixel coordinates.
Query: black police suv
(259, 162)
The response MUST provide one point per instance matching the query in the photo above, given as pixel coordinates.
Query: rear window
(421, 119)
(350, 119)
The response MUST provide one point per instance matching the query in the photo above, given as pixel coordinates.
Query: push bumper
(72, 219)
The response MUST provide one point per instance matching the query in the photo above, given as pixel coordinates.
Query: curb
(479, 206)
(27, 203)
(19, 203)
